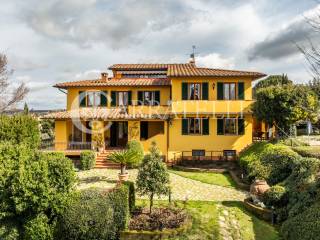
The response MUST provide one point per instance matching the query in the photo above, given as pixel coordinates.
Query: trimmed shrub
(90, 216)
(9, 229)
(20, 129)
(132, 195)
(275, 196)
(95, 215)
(304, 226)
(87, 160)
(38, 229)
(272, 162)
(279, 161)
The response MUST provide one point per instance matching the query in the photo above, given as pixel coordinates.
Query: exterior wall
(211, 142)
(172, 140)
(73, 98)
(61, 135)
(160, 139)
(212, 104)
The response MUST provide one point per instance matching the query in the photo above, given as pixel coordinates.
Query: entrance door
(119, 134)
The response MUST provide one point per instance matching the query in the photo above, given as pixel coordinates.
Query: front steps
(102, 160)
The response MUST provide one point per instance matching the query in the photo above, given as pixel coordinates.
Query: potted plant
(98, 139)
(132, 155)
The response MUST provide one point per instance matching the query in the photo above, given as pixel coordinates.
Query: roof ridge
(229, 70)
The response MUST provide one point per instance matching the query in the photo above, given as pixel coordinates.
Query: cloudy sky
(63, 40)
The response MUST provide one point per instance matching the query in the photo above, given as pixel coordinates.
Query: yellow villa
(188, 111)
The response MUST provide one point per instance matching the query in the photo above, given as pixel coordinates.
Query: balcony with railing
(65, 146)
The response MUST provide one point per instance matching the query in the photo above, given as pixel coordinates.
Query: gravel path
(182, 188)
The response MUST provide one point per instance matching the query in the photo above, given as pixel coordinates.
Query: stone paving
(182, 188)
(228, 223)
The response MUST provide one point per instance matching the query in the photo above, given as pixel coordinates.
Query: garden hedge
(272, 162)
(87, 160)
(96, 215)
(304, 226)
(20, 129)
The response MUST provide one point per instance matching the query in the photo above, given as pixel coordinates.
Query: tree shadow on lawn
(250, 224)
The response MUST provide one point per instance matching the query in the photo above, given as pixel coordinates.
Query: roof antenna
(193, 55)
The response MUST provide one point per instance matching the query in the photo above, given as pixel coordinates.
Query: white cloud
(214, 60)
(89, 74)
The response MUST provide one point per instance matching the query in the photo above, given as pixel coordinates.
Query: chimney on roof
(104, 76)
(192, 59)
(193, 55)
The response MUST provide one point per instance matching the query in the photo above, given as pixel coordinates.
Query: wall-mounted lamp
(213, 86)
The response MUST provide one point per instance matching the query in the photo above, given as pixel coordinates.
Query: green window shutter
(220, 91)
(241, 90)
(184, 87)
(157, 97)
(82, 99)
(205, 91)
(205, 126)
(185, 126)
(103, 99)
(220, 123)
(129, 98)
(241, 126)
(140, 98)
(113, 98)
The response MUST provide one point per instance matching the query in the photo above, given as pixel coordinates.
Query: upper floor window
(120, 98)
(92, 98)
(195, 91)
(195, 126)
(230, 91)
(150, 98)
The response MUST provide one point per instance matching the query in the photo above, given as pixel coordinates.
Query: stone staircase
(102, 160)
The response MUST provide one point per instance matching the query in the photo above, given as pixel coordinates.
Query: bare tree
(9, 95)
(312, 51)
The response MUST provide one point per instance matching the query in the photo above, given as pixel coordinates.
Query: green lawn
(205, 217)
(220, 179)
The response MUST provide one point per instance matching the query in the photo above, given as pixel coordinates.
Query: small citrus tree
(153, 177)
(132, 155)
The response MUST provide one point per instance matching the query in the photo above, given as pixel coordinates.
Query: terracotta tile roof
(188, 70)
(146, 66)
(116, 82)
(100, 113)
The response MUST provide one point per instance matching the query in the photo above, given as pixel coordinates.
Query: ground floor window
(230, 126)
(198, 153)
(229, 154)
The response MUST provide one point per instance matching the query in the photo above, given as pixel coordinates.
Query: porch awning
(102, 114)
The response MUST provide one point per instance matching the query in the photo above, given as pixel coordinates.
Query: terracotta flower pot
(123, 177)
(259, 187)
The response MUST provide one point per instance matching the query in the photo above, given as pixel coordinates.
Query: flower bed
(161, 223)
(262, 213)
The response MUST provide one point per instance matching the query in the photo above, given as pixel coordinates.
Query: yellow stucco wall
(61, 135)
(211, 142)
